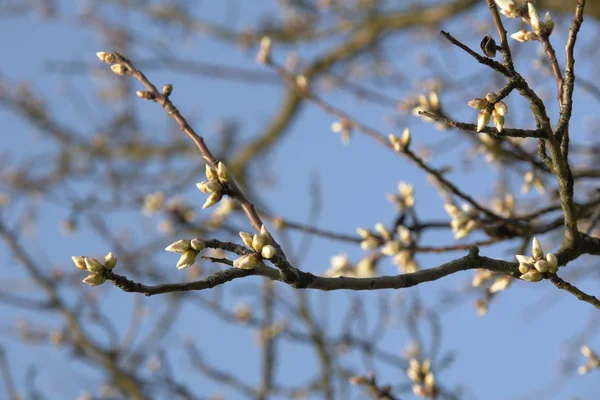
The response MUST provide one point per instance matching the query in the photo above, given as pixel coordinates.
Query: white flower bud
(108, 58)
(223, 173)
(541, 265)
(534, 18)
(247, 238)
(479, 103)
(79, 261)
(483, 119)
(213, 199)
(247, 261)
(179, 246)
(501, 108)
(258, 242)
(532, 276)
(110, 260)
(268, 251)
(492, 97)
(119, 69)
(498, 120)
(93, 265)
(552, 263)
(187, 258)
(210, 173)
(94, 279)
(197, 244)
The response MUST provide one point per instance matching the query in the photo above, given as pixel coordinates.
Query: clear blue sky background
(516, 349)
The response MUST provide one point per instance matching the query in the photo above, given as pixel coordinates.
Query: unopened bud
(483, 119)
(144, 94)
(222, 172)
(167, 89)
(79, 261)
(479, 103)
(268, 251)
(94, 279)
(108, 58)
(93, 265)
(119, 69)
(213, 199)
(247, 238)
(110, 260)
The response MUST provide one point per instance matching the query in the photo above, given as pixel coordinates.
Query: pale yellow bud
(79, 261)
(223, 173)
(94, 279)
(187, 258)
(197, 244)
(213, 199)
(179, 246)
(93, 265)
(248, 261)
(110, 260)
(119, 69)
(247, 238)
(268, 251)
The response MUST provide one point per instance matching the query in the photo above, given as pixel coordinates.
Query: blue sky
(513, 351)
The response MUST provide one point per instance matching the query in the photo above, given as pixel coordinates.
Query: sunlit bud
(552, 263)
(524, 36)
(179, 246)
(532, 276)
(197, 244)
(406, 138)
(187, 258)
(483, 119)
(119, 69)
(247, 261)
(506, 6)
(213, 199)
(541, 265)
(110, 260)
(258, 242)
(167, 89)
(108, 58)
(211, 174)
(213, 186)
(79, 261)
(247, 238)
(536, 249)
(479, 103)
(94, 279)
(268, 251)
(524, 268)
(395, 142)
(370, 243)
(265, 233)
(264, 52)
(302, 82)
(364, 233)
(492, 97)
(383, 231)
(429, 380)
(534, 18)
(144, 94)
(202, 186)
(222, 172)
(501, 108)
(587, 352)
(93, 265)
(498, 121)
(500, 284)
(434, 99)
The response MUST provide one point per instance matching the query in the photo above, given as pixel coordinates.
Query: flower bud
(536, 249)
(498, 121)
(110, 260)
(264, 52)
(552, 263)
(167, 89)
(108, 58)
(179, 246)
(79, 261)
(258, 242)
(483, 119)
(541, 265)
(213, 199)
(532, 276)
(406, 138)
(247, 238)
(492, 97)
(144, 94)
(187, 258)
(479, 103)
(248, 261)
(119, 69)
(524, 36)
(197, 244)
(94, 279)
(211, 173)
(501, 108)
(268, 251)
(534, 18)
(222, 172)
(93, 265)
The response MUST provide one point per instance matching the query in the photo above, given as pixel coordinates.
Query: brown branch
(581, 295)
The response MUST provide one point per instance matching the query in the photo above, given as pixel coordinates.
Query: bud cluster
(400, 143)
(188, 249)
(532, 268)
(490, 108)
(217, 181)
(464, 220)
(527, 11)
(341, 266)
(419, 372)
(261, 243)
(405, 197)
(95, 268)
(593, 361)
